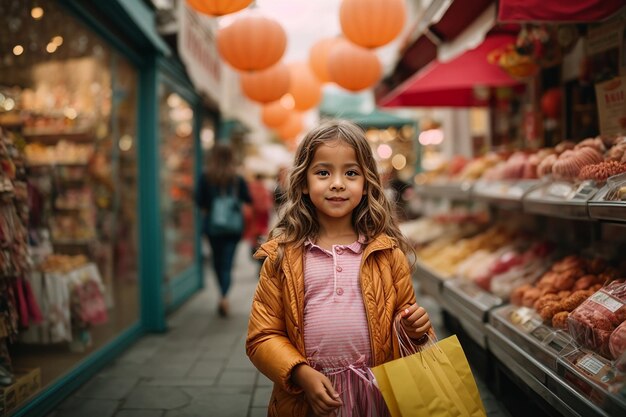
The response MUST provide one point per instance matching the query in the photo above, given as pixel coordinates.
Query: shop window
(68, 127)
(177, 182)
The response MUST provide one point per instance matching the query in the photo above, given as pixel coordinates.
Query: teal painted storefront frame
(179, 288)
(144, 51)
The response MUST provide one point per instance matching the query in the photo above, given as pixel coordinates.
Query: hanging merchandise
(540, 43)
(17, 306)
(517, 65)
(551, 103)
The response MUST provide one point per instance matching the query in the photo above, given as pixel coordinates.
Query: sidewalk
(198, 368)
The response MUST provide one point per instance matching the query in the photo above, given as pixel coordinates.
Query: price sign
(590, 364)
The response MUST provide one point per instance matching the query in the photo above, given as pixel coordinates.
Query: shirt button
(339, 251)
(339, 291)
(339, 269)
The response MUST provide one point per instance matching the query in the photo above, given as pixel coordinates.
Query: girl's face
(335, 182)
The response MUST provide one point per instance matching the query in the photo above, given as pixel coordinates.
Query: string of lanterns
(254, 45)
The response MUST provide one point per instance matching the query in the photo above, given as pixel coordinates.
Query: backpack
(225, 217)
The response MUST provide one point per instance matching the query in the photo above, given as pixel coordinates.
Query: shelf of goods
(571, 376)
(578, 201)
(573, 380)
(560, 199)
(449, 190)
(609, 202)
(506, 194)
(470, 305)
(430, 282)
(539, 355)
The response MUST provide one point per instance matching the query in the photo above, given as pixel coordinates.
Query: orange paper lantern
(318, 58)
(274, 114)
(353, 67)
(218, 7)
(252, 43)
(372, 23)
(305, 88)
(289, 130)
(267, 85)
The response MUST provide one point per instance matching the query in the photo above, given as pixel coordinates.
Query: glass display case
(177, 183)
(68, 120)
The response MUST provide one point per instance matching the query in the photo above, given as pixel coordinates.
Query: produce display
(591, 159)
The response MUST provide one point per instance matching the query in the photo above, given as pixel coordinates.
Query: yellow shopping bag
(437, 381)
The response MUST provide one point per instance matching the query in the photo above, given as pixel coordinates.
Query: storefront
(100, 152)
(180, 162)
(521, 251)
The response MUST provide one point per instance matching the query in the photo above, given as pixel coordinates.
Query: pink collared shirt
(336, 332)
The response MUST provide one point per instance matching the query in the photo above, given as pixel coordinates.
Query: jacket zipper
(367, 315)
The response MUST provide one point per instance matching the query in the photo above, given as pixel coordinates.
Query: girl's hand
(318, 390)
(415, 321)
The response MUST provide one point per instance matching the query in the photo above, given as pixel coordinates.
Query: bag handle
(406, 345)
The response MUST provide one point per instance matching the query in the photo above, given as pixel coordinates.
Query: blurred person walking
(262, 204)
(221, 194)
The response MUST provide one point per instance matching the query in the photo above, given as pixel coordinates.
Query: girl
(334, 280)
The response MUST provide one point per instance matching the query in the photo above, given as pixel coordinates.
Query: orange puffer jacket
(275, 342)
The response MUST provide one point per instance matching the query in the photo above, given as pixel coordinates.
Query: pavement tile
(222, 405)
(139, 354)
(264, 381)
(81, 407)
(139, 413)
(206, 369)
(180, 382)
(261, 397)
(160, 398)
(241, 362)
(237, 378)
(107, 388)
(258, 412)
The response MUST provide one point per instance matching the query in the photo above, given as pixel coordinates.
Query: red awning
(459, 15)
(452, 84)
(557, 10)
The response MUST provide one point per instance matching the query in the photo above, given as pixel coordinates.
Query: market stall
(535, 292)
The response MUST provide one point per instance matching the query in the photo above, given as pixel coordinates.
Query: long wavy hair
(372, 216)
(221, 166)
